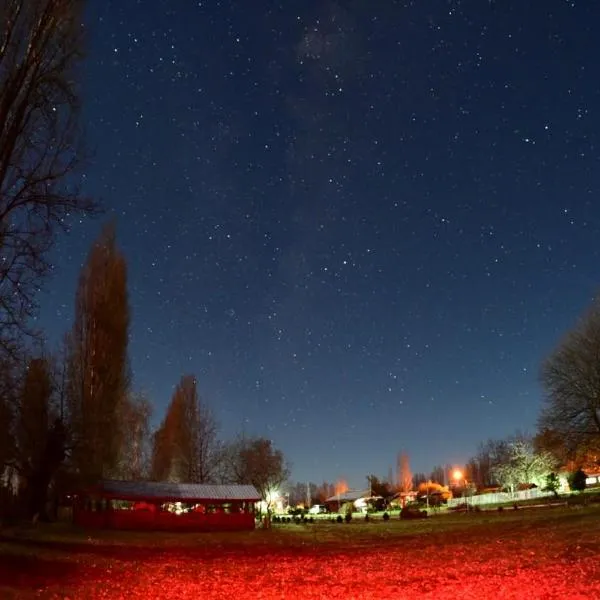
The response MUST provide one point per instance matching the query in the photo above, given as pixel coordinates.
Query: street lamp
(457, 476)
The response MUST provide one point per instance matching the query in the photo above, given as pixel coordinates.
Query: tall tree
(340, 487)
(97, 361)
(7, 413)
(480, 469)
(134, 456)
(570, 377)
(185, 446)
(379, 487)
(34, 414)
(404, 475)
(40, 48)
(39, 434)
(418, 479)
(438, 475)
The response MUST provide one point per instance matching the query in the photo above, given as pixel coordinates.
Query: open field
(537, 553)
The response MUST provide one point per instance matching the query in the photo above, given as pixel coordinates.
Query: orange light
(457, 475)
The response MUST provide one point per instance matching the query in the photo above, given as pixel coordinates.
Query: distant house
(593, 478)
(403, 498)
(165, 506)
(334, 503)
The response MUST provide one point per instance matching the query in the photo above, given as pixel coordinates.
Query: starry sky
(362, 225)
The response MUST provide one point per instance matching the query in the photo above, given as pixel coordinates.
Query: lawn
(535, 553)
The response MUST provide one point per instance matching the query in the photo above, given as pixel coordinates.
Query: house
(149, 505)
(357, 497)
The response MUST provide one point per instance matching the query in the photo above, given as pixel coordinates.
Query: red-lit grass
(552, 553)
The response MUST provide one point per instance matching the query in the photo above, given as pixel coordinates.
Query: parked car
(317, 509)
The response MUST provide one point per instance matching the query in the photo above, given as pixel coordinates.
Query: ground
(535, 553)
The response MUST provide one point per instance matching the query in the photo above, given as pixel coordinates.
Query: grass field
(531, 554)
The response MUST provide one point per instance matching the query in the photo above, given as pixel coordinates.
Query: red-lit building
(165, 506)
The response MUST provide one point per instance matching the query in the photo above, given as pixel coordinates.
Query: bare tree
(97, 362)
(255, 461)
(571, 380)
(523, 465)
(438, 475)
(40, 48)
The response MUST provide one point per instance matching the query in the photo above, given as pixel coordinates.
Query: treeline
(69, 416)
(567, 439)
(72, 418)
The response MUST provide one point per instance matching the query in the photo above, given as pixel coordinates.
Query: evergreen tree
(577, 481)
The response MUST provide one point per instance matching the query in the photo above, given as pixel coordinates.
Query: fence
(499, 497)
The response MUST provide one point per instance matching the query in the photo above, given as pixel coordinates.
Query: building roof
(350, 496)
(175, 492)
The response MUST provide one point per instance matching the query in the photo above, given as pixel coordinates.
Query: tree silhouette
(40, 48)
(97, 362)
(571, 380)
(134, 456)
(577, 481)
(185, 445)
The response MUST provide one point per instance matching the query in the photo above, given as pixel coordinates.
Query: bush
(386, 517)
(577, 481)
(339, 519)
(411, 512)
(348, 517)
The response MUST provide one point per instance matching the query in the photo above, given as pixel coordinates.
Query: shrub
(411, 512)
(348, 517)
(577, 481)
(386, 517)
(339, 519)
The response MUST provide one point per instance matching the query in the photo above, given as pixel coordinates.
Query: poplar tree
(134, 456)
(185, 447)
(97, 361)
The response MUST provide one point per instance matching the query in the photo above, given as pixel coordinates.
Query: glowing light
(457, 475)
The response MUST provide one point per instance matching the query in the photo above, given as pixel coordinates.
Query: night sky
(362, 225)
